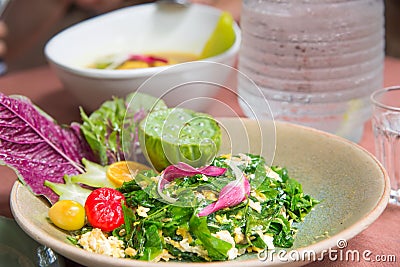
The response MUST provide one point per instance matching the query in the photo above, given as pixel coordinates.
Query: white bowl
(139, 29)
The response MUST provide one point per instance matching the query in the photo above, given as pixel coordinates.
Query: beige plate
(351, 184)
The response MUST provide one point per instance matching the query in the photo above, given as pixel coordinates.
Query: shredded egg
(95, 241)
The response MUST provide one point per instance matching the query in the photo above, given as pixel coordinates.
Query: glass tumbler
(386, 128)
(315, 62)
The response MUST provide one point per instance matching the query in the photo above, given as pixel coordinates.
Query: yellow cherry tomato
(67, 215)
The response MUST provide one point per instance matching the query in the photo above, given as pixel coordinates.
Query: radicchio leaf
(36, 147)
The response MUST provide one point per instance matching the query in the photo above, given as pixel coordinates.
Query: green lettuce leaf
(69, 190)
(153, 245)
(111, 130)
(217, 248)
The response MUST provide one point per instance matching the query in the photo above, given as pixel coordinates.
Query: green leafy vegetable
(111, 130)
(264, 219)
(69, 190)
(217, 248)
(94, 175)
(153, 245)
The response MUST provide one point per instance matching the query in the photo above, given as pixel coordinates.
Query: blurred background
(31, 24)
(392, 13)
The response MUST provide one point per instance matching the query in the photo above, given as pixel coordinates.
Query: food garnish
(68, 190)
(149, 59)
(175, 135)
(104, 208)
(124, 171)
(68, 215)
(222, 38)
(231, 194)
(180, 170)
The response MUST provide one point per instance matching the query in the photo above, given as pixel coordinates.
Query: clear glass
(315, 61)
(386, 128)
(47, 257)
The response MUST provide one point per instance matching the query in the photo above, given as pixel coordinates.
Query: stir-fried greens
(157, 230)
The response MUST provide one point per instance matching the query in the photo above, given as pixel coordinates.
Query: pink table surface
(41, 85)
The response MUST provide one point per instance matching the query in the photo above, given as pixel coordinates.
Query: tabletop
(380, 242)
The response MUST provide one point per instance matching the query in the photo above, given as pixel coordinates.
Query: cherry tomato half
(103, 208)
(67, 214)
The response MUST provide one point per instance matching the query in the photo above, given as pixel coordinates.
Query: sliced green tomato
(179, 135)
(222, 37)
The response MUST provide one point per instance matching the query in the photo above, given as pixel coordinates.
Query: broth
(146, 60)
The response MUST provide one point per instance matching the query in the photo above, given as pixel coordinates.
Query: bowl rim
(143, 72)
(330, 242)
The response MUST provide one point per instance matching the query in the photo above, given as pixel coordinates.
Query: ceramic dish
(350, 183)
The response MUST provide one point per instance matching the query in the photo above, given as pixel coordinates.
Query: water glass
(386, 128)
(316, 62)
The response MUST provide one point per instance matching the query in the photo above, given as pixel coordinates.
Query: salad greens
(158, 230)
(111, 130)
(69, 190)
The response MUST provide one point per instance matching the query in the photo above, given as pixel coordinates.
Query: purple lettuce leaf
(36, 147)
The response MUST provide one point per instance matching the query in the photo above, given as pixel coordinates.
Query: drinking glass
(386, 128)
(315, 61)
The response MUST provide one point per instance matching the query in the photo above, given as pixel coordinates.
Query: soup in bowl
(144, 30)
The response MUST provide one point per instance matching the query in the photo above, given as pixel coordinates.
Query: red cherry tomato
(104, 210)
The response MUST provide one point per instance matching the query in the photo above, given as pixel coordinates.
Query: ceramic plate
(350, 183)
